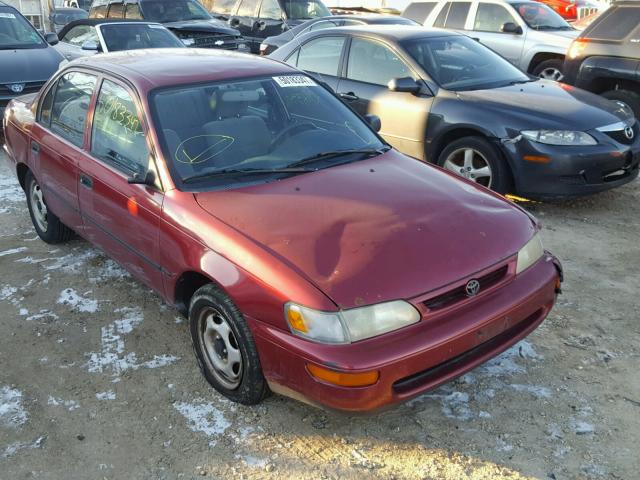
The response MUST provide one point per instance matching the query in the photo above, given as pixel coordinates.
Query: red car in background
(311, 258)
(571, 10)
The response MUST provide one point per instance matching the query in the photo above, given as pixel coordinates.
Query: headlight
(529, 254)
(351, 325)
(559, 137)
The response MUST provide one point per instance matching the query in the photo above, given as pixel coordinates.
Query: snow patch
(536, 391)
(12, 413)
(42, 315)
(507, 363)
(77, 302)
(108, 395)
(204, 417)
(70, 405)
(12, 251)
(7, 291)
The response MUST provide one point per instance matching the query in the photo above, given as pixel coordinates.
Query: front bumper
(571, 171)
(417, 358)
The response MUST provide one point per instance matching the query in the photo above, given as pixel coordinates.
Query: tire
(550, 69)
(455, 158)
(632, 99)
(47, 225)
(243, 381)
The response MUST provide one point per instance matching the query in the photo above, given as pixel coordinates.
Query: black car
(445, 98)
(259, 19)
(187, 19)
(27, 59)
(271, 44)
(605, 58)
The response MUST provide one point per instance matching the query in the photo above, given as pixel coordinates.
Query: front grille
(209, 40)
(458, 364)
(29, 87)
(459, 293)
(620, 136)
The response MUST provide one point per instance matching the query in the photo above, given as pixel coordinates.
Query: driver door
(370, 66)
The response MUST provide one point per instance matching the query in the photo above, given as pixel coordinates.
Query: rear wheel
(224, 346)
(48, 227)
(629, 98)
(476, 159)
(550, 70)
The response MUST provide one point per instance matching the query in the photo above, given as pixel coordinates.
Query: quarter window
(70, 106)
(457, 15)
(419, 11)
(117, 137)
(116, 10)
(442, 16)
(321, 55)
(375, 63)
(45, 107)
(491, 17)
(133, 11)
(99, 12)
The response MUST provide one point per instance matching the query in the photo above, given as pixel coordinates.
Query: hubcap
(551, 74)
(221, 348)
(471, 164)
(39, 207)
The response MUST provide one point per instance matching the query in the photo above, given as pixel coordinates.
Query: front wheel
(224, 347)
(476, 159)
(550, 70)
(48, 227)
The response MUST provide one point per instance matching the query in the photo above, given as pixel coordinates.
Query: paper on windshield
(295, 81)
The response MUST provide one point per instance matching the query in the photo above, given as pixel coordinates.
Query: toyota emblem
(628, 132)
(472, 288)
(16, 87)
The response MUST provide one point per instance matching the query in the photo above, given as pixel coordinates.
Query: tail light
(577, 47)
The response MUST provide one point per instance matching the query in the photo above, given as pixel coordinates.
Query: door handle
(35, 148)
(86, 181)
(350, 96)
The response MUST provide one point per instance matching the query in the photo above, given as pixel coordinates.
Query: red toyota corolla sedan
(311, 258)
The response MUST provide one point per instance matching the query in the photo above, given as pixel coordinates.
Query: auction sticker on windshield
(295, 81)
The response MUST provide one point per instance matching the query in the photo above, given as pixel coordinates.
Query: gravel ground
(98, 380)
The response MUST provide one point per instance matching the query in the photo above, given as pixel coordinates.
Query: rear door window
(419, 11)
(71, 105)
(457, 15)
(320, 56)
(442, 16)
(617, 25)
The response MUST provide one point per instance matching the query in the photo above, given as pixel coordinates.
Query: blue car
(27, 59)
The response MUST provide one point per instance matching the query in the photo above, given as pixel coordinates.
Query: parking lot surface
(98, 378)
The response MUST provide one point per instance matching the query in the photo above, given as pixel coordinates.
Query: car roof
(392, 32)
(147, 69)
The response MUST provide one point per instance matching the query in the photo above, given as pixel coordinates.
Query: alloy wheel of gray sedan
(221, 348)
(551, 73)
(470, 164)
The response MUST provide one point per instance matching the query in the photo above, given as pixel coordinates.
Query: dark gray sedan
(445, 98)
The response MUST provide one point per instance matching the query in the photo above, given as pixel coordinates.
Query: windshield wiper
(230, 172)
(338, 153)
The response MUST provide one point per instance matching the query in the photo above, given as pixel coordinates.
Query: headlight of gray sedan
(560, 137)
(346, 326)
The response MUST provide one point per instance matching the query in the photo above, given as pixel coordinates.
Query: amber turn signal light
(361, 379)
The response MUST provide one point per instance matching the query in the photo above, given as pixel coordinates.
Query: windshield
(540, 17)
(259, 124)
(62, 18)
(305, 9)
(121, 36)
(458, 62)
(16, 32)
(164, 11)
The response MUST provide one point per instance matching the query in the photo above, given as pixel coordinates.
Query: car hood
(546, 104)
(28, 65)
(213, 25)
(375, 230)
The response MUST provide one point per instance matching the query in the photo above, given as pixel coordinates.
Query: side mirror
(51, 38)
(511, 27)
(91, 45)
(374, 122)
(404, 84)
(148, 179)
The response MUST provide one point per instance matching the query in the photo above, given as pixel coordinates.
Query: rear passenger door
(370, 66)
(57, 143)
(321, 57)
(122, 218)
(487, 27)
